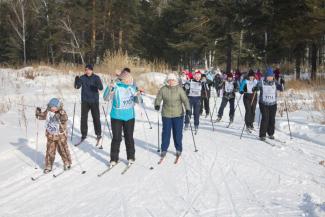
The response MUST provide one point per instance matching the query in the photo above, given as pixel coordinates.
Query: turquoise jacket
(123, 101)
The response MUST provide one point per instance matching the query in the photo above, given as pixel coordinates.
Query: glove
(255, 89)
(282, 81)
(93, 88)
(188, 112)
(157, 107)
(38, 111)
(241, 92)
(187, 86)
(76, 80)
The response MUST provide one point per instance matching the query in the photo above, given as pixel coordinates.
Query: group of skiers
(179, 100)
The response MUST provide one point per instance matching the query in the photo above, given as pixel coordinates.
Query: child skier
(250, 98)
(205, 95)
(268, 103)
(56, 133)
(122, 116)
(230, 88)
(193, 89)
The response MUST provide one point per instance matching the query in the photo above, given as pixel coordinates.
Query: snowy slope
(228, 176)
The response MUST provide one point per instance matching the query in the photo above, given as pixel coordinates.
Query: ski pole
(239, 106)
(74, 153)
(206, 93)
(78, 162)
(109, 129)
(101, 143)
(145, 111)
(241, 135)
(158, 144)
(36, 144)
(195, 149)
(285, 103)
(74, 112)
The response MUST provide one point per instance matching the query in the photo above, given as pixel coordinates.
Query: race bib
(269, 93)
(250, 85)
(52, 124)
(195, 89)
(229, 87)
(126, 98)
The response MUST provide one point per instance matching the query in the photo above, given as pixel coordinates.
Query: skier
(123, 94)
(268, 103)
(56, 133)
(258, 75)
(193, 89)
(230, 88)
(277, 74)
(217, 82)
(238, 76)
(89, 84)
(174, 98)
(250, 98)
(205, 95)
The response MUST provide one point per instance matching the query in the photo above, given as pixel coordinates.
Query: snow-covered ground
(227, 177)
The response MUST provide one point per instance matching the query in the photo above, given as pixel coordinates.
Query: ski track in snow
(227, 177)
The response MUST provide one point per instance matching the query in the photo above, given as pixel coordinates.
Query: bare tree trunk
(19, 23)
(240, 47)
(66, 25)
(93, 36)
(229, 53)
(265, 47)
(314, 50)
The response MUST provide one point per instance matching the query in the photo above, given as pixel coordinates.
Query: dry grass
(115, 61)
(319, 102)
(306, 84)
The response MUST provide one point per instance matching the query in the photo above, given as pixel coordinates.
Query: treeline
(187, 33)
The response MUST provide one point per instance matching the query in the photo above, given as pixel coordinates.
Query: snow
(227, 177)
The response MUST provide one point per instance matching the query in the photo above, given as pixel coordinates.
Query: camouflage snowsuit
(56, 141)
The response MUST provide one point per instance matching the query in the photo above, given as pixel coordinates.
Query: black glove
(93, 88)
(38, 111)
(255, 89)
(188, 112)
(76, 80)
(282, 81)
(157, 107)
(241, 92)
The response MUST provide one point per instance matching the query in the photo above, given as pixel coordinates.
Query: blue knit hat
(54, 102)
(269, 72)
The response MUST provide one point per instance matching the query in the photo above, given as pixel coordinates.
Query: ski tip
(83, 172)
(32, 179)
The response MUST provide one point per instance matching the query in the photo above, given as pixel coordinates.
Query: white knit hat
(171, 76)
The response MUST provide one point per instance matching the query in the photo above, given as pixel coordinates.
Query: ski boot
(46, 171)
(218, 119)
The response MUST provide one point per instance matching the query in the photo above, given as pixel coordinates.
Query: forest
(232, 34)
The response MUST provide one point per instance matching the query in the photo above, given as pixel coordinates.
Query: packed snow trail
(227, 177)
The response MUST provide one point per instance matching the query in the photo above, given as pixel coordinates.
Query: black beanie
(89, 66)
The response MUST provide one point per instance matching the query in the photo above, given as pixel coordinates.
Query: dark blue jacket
(89, 88)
